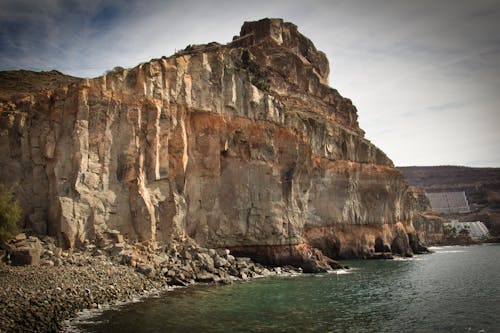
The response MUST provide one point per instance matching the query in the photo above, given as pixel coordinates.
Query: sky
(424, 75)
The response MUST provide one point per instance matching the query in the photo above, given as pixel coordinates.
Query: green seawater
(455, 289)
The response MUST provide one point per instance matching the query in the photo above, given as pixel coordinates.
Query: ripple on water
(458, 292)
(414, 258)
(341, 271)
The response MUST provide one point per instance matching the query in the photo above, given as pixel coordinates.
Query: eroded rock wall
(237, 145)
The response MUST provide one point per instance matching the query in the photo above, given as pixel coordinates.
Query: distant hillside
(482, 186)
(437, 178)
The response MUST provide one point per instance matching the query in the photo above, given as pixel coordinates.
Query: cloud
(443, 58)
(58, 34)
(445, 106)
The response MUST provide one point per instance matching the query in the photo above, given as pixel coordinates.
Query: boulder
(309, 259)
(115, 249)
(25, 256)
(206, 261)
(178, 282)
(205, 277)
(129, 259)
(220, 262)
(115, 236)
(20, 237)
(382, 255)
(147, 270)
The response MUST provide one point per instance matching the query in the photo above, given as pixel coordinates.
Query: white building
(449, 202)
(477, 230)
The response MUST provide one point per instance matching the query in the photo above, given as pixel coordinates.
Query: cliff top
(19, 83)
(286, 35)
(268, 32)
(279, 60)
(272, 33)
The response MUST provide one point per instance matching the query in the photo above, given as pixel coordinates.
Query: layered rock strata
(241, 146)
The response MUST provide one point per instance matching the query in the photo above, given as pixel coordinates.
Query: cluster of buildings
(457, 203)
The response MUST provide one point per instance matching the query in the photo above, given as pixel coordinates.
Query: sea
(454, 289)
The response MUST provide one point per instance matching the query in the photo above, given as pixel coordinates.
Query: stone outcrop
(242, 145)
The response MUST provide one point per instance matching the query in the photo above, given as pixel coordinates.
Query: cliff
(242, 146)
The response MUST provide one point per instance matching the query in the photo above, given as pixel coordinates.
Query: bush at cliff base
(10, 213)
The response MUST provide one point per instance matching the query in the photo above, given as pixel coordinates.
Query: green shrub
(449, 231)
(465, 232)
(10, 214)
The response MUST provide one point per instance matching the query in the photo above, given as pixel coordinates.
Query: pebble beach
(41, 297)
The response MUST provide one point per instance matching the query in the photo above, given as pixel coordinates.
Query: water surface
(456, 289)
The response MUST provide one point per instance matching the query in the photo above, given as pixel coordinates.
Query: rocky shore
(56, 285)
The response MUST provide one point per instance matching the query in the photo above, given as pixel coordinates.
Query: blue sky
(424, 75)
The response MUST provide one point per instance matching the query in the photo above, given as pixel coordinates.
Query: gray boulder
(22, 256)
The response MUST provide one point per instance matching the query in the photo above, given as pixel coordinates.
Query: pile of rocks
(42, 284)
(189, 264)
(23, 250)
(182, 262)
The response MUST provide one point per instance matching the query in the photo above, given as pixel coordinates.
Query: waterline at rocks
(59, 283)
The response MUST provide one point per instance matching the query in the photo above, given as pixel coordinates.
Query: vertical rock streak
(237, 145)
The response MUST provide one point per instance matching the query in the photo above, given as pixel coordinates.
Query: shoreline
(467, 241)
(46, 299)
(47, 296)
(40, 298)
(67, 285)
(70, 325)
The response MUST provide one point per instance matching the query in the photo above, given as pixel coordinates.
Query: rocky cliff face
(240, 145)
